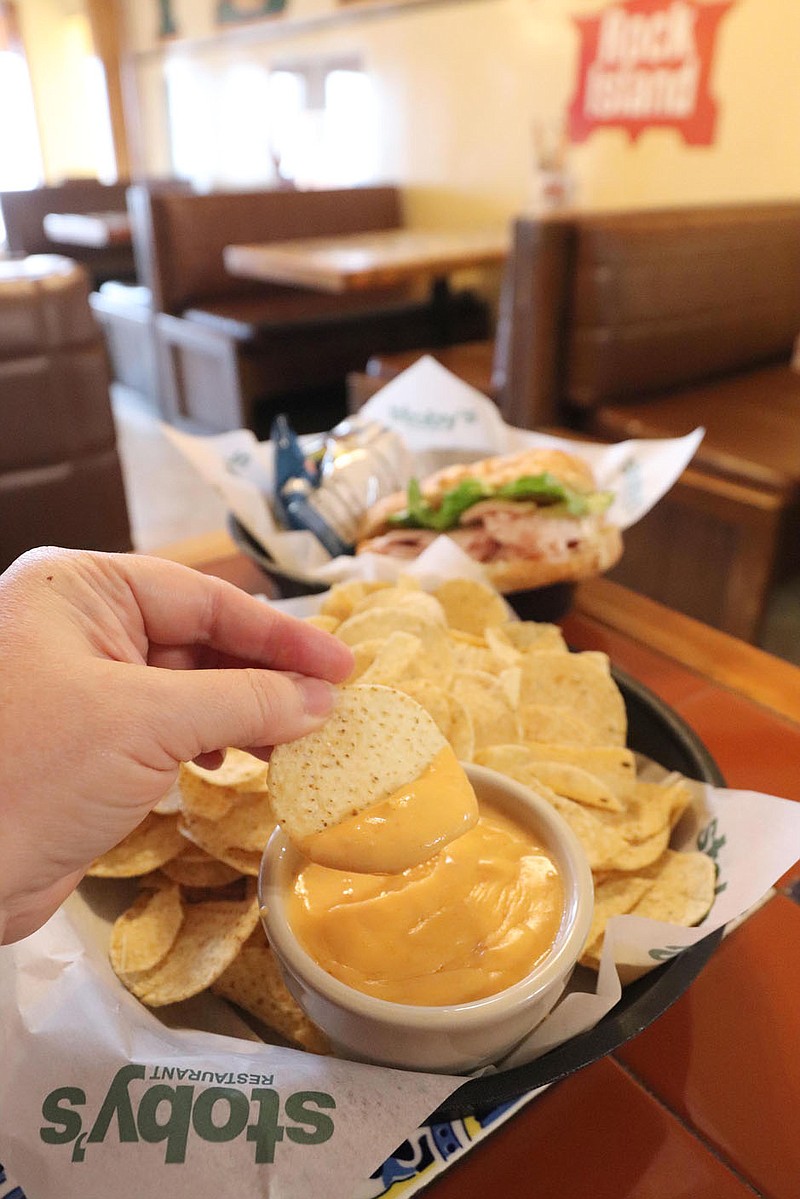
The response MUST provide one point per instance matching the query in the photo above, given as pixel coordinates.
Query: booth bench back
(620, 306)
(180, 237)
(24, 213)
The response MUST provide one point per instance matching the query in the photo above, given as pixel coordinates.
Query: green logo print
(171, 1115)
(710, 842)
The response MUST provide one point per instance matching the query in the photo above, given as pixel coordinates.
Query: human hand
(113, 670)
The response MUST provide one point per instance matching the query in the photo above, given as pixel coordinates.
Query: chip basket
(656, 732)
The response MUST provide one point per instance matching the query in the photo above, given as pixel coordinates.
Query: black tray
(286, 584)
(660, 734)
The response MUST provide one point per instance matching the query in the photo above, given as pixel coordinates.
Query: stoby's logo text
(171, 1115)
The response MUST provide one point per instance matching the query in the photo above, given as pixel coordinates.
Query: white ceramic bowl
(456, 1038)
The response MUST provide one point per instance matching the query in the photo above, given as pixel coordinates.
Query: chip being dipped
(376, 790)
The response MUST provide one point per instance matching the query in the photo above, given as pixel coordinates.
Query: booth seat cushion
(752, 423)
(248, 318)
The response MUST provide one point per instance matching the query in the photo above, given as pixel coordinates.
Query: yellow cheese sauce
(406, 828)
(467, 923)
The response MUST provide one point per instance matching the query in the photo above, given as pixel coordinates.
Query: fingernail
(318, 696)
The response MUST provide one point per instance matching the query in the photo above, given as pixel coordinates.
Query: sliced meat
(497, 530)
(402, 543)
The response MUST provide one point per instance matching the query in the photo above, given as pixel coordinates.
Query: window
(324, 126)
(20, 156)
(306, 124)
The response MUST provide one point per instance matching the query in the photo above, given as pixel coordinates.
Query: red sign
(645, 64)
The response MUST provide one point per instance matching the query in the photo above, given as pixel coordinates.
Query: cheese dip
(468, 922)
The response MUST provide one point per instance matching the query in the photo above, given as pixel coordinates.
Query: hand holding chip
(113, 670)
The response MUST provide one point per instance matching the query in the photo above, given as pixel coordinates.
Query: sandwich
(531, 519)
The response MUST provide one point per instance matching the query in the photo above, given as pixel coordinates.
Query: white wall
(460, 85)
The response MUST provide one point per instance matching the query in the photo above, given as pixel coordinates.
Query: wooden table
(89, 229)
(705, 1102)
(360, 261)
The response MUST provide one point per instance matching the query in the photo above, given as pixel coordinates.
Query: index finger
(180, 606)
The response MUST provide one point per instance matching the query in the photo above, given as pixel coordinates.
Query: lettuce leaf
(544, 490)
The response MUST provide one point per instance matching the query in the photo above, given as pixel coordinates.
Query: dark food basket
(542, 603)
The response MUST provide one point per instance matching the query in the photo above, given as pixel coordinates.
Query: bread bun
(591, 558)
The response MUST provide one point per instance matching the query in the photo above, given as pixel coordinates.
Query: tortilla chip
(613, 765)
(342, 598)
(471, 606)
(254, 982)
(624, 840)
(243, 861)
(511, 680)
(616, 895)
(375, 741)
(143, 935)
(581, 682)
(682, 890)
(528, 636)
(395, 660)
(196, 868)
(576, 783)
(555, 725)
(200, 798)
(459, 637)
(502, 651)
(451, 716)
(403, 599)
(672, 796)
(364, 654)
(328, 624)
(677, 888)
(247, 826)
(485, 698)
(170, 802)
(471, 655)
(381, 622)
(208, 941)
(662, 801)
(148, 847)
(239, 771)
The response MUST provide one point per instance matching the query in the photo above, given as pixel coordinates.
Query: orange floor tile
(726, 1056)
(596, 1135)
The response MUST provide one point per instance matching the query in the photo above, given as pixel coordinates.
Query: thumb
(197, 711)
